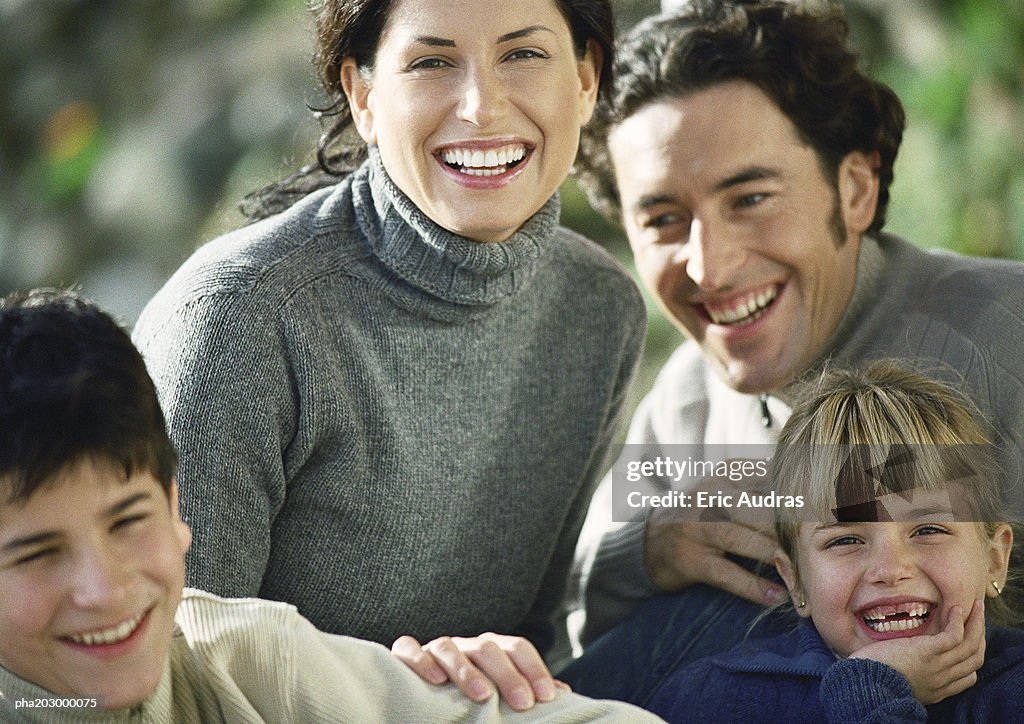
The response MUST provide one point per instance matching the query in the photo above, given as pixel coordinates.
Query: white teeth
(473, 161)
(110, 636)
(745, 310)
(912, 618)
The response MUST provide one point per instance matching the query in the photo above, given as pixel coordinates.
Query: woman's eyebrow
(439, 42)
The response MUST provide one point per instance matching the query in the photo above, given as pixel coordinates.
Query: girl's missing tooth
(901, 550)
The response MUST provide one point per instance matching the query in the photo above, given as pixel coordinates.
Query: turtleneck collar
(870, 264)
(433, 259)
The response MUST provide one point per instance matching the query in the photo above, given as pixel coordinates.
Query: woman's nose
(484, 98)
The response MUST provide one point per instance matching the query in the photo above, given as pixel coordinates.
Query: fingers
(408, 650)
(738, 581)
(477, 665)
(516, 668)
(681, 553)
(751, 542)
(459, 669)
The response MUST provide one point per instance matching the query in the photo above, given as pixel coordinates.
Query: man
(749, 161)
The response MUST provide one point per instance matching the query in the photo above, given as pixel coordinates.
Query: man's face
(91, 569)
(735, 229)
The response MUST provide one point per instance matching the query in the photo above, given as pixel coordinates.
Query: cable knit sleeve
(863, 691)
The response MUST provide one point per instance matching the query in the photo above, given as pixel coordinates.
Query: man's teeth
(745, 310)
(484, 163)
(110, 636)
(914, 617)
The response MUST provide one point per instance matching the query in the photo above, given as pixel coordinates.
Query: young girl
(393, 398)
(900, 550)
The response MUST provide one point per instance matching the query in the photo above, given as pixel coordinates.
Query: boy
(94, 622)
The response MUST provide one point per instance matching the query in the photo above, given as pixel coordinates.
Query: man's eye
(661, 220)
(745, 202)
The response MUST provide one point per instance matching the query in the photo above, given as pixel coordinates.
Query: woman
(393, 398)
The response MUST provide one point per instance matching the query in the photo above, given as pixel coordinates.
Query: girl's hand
(476, 665)
(940, 665)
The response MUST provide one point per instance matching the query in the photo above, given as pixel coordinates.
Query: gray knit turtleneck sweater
(392, 427)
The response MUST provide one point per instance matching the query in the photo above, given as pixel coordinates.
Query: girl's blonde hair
(855, 433)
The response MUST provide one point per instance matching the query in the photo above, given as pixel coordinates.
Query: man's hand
(679, 552)
(476, 665)
(940, 665)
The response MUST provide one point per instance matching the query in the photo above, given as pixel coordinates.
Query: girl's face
(476, 108)
(866, 582)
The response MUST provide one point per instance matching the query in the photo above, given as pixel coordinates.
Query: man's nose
(712, 259)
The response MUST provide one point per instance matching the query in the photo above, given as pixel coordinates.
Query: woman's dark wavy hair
(794, 52)
(73, 387)
(353, 28)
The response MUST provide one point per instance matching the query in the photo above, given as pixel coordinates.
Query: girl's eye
(931, 530)
(845, 540)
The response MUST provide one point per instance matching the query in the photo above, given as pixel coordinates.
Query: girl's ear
(358, 92)
(787, 570)
(999, 558)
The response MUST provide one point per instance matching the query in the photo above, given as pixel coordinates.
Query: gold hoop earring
(995, 585)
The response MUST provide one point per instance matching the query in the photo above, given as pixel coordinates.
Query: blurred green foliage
(130, 131)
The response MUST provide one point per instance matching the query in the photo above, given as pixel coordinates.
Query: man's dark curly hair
(73, 387)
(794, 52)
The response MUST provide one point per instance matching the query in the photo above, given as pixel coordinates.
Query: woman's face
(476, 108)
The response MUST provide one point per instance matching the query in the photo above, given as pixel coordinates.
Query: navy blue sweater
(794, 678)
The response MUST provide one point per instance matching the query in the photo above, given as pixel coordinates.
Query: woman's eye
(428, 64)
(525, 54)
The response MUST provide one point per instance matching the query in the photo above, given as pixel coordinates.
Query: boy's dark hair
(73, 386)
(794, 52)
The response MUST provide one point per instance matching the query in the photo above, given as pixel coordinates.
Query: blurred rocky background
(130, 130)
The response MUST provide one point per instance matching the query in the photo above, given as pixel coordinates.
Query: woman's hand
(476, 665)
(940, 665)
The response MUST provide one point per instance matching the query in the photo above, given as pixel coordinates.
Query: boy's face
(91, 569)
